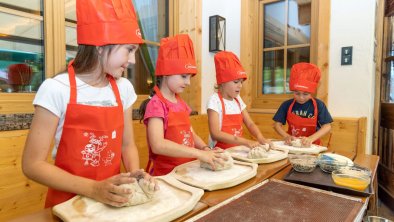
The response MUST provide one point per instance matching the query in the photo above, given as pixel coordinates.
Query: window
(286, 41)
(153, 20)
(21, 46)
(285, 38)
(387, 94)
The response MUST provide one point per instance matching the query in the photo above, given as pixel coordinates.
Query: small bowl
(303, 163)
(329, 165)
(352, 177)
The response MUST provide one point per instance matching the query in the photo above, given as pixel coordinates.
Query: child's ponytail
(143, 105)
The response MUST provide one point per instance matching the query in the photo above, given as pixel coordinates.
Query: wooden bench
(20, 196)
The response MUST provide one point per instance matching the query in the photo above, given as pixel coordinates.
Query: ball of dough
(141, 193)
(297, 143)
(258, 152)
(226, 165)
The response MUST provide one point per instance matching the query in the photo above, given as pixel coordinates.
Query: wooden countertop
(276, 170)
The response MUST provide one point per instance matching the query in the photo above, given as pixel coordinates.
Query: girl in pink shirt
(171, 138)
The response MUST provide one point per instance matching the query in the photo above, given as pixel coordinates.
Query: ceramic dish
(334, 156)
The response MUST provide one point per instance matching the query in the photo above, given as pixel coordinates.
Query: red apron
(231, 124)
(91, 141)
(299, 126)
(178, 131)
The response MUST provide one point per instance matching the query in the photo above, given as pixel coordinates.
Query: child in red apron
(308, 117)
(88, 110)
(171, 138)
(226, 110)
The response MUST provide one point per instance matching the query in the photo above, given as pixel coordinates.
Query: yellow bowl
(352, 177)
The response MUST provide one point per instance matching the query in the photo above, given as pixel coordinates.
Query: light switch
(346, 55)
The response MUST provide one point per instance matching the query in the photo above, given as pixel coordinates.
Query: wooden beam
(189, 22)
(321, 15)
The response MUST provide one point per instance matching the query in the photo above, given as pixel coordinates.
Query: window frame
(252, 54)
(11, 103)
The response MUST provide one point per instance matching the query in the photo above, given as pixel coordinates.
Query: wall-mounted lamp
(217, 33)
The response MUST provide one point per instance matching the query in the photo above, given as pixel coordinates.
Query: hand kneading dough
(226, 165)
(258, 152)
(297, 143)
(141, 192)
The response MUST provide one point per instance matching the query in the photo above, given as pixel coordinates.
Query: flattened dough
(227, 163)
(142, 192)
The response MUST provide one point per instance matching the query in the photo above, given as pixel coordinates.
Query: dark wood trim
(389, 58)
(389, 9)
(20, 39)
(17, 8)
(71, 48)
(387, 115)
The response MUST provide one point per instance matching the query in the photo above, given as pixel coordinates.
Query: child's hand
(211, 157)
(288, 139)
(108, 191)
(218, 148)
(306, 142)
(252, 144)
(148, 179)
(269, 142)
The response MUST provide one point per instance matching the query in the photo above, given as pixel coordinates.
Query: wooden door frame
(381, 25)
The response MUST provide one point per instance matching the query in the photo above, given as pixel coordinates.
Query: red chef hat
(176, 56)
(103, 22)
(304, 77)
(228, 67)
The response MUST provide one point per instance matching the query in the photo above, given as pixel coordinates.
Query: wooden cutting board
(241, 153)
(173, 200)
(191, 173)
(314, 149)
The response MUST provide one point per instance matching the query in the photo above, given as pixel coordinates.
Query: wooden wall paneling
(19, 195)
(348, 134)
(321, 12)
(174, 17)
(14, 103)
(378, 58)
(189, 22)
(249, 38)
(362, 135)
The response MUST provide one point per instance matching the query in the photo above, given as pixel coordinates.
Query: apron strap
(73, 84)
(115, 89)
(222, 102)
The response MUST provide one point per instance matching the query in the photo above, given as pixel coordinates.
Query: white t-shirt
(231, 107)
(54, 95)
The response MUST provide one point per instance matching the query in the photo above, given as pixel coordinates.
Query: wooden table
(277, 170)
